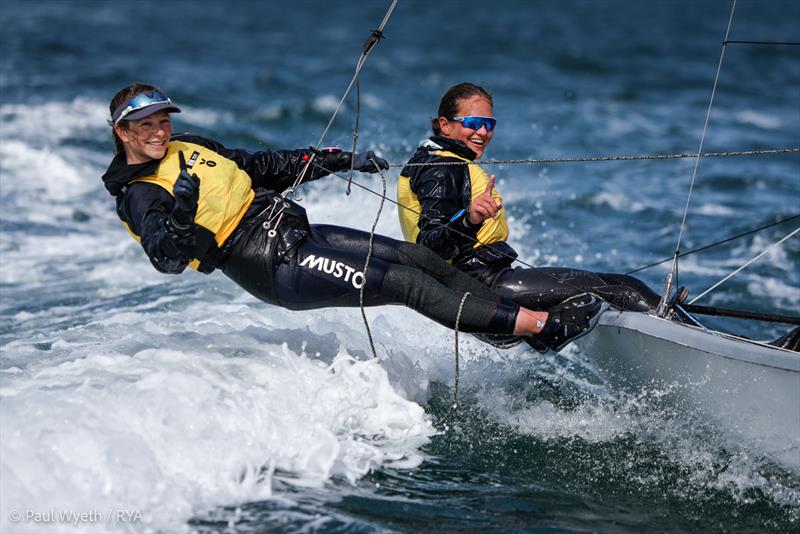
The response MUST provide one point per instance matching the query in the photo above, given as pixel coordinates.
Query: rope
(355, 138)
(526, 264)
(786, 43)
(701, 295)
(383, 196)
(591, 159)
(726, 240)
(366, 265)
(662, 307)
(454, 404)
(467, 236)
(741, 314)
(370, 43)
(580, 159)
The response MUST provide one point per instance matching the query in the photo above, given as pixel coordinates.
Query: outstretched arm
(279, 169)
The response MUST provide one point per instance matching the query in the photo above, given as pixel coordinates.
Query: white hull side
(749, 391)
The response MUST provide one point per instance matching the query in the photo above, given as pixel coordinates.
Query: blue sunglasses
(475, 122)
(140, 101)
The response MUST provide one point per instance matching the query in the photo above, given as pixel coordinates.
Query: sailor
(191, 202)
(456, 211)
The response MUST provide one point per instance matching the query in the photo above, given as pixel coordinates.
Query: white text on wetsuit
(335, 268)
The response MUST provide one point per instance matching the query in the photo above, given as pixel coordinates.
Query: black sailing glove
(369, 162)
(335, 160)
(186, 192)
(180, 223)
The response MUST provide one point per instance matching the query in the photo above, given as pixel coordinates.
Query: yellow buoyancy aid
(491, 231)
(225, 190)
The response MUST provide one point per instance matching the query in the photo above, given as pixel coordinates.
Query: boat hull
(749, 391)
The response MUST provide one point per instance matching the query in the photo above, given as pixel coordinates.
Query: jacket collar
(437, 142)
(119, 173)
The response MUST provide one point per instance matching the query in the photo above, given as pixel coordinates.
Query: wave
(173, 433)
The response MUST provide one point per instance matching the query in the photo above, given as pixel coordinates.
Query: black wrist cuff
(468, 225)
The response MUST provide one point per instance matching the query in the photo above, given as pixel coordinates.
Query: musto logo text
(334, 268)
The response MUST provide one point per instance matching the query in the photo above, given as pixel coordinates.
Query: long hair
(124, 95)
(448, 105)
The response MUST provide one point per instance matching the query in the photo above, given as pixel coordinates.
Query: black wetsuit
(544, 287)
(323, 271)
(278, 257)
(444, 194)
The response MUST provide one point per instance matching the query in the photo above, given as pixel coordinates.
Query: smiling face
(477, 140)
(147, 138)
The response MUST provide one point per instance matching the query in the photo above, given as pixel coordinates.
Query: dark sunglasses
(475, 123)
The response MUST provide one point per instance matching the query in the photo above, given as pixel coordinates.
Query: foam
(56, 173)
(178, 395)
(174, 433)
(617, 201)
(761, 120)
(589, 421)
(715, 210)
(776, 290)
(53, 122)
(323, 202)
(325, 104)
(683, 444)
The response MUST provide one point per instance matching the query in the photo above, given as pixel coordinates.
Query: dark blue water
(205, 410)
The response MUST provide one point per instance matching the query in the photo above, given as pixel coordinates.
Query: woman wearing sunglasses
(456, 211)
(192, 202)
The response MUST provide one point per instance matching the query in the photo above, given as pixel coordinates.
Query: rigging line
(523, 262)
(781, 43)
(373, 39)
(585, 159)
(662, 308)
(422, 215)
(467, 236)
(698, 297)
(386, 17)
(355, 140)
(726, 240)
(366, 264)
(454, 404)
(526, 264)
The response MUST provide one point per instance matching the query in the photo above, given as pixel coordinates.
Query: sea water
(133, 401)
